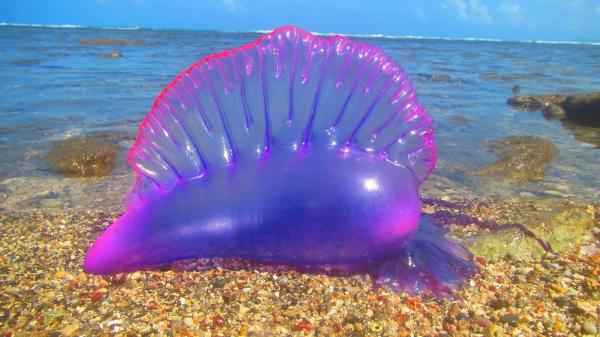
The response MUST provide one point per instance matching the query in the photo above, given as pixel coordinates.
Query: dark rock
(227, 296)
(4, 189)
(509, 77)
(114, 137)
(533, 102)
(561, 301)
(118, 279)
(498, 304)
(44, 200)
(436, 78)
(459, 119)
(583, 109)
(516, 89)
(585, 134)
(4, 315)
(219, 283)
(83, 157)
(579, 113)
(554, 111)
(521, 158)
(110, 42)
(25, 62)
(462, 317)
(112, 55)
(510, 319)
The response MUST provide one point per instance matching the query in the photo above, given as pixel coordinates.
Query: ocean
(534, 241)
(55, 88)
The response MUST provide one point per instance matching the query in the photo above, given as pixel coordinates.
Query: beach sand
(46, 293)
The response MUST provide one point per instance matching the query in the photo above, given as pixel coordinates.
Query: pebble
(561, 301)
(454, 310)
(96, 296)
(554, 193)
(304, 324)
(525, 194)
(189, 322)
(4, 315)
(499, 304)
(219, 321)
(51, 203)
(590, 327)
(493, 330)
(559, 326)
(69, 330)
(219, 283)
(243, 310)
(60, 274)
(509, 318)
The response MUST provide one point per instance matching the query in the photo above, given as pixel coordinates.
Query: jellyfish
(294, 149)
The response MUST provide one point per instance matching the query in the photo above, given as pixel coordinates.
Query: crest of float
(288, 90)
(292, 149)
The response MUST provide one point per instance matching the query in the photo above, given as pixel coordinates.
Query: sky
(553, 20)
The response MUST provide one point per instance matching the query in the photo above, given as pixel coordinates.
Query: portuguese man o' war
(293, 149)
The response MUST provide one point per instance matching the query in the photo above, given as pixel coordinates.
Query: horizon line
(265, 31)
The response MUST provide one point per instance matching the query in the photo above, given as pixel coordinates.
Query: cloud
(419, 13)
(469, 10)
(513, 13)
(232, 5)
(460, 6)
(577, 4)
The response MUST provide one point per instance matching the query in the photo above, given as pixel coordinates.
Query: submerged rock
(584, 134)
(562, 224)
(460, 119)
(83, 157)
(498, 228)
(46, 199)
(112, 55)
(579, 113)
(583, 109)
(440, 78)
(110, 42)
(25, 62)
(516, 89)
(521, 158)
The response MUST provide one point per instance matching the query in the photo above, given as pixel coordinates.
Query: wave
(39, 25)
(470, 39)
(364, 36)
(561, 42)
(439, 38)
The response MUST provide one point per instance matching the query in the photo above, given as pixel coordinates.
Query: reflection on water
(53, 87)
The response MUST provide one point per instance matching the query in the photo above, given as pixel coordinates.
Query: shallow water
(52, 88)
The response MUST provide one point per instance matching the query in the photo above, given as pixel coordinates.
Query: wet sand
(46, 293)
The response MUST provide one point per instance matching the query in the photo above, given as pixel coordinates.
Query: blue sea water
(52, 87)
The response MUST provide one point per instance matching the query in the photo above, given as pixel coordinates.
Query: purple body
(293, 149)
